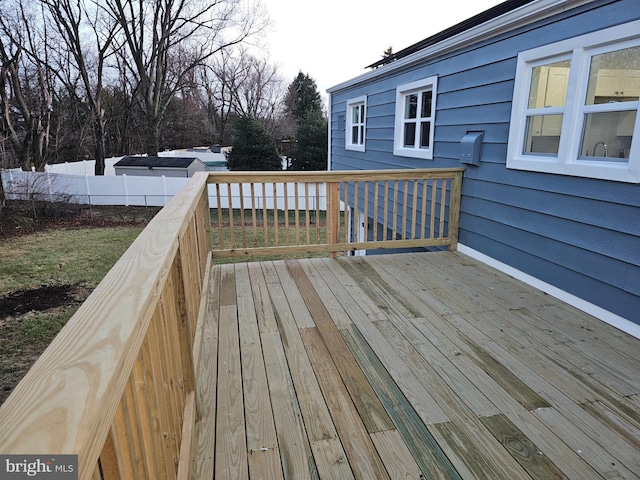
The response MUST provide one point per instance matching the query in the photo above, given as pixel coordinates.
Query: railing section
(117, 384)
(301, 213)
(120, 385)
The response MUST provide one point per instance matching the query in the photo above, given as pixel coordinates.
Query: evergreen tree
(253, 148)
(311, 151)
(302, 98)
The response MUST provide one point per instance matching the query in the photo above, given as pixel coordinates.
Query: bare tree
(72, 19)
(237, 82)
(168, 39)
(26, 86)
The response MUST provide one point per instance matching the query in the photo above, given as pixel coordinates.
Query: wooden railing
(122, 386)
(117, 384)
(294, 213)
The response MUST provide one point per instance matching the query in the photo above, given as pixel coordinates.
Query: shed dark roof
(156, 162)
(463, 26)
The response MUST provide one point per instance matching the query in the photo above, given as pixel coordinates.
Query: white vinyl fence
(141, 191)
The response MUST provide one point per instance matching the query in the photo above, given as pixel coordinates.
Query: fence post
(333, 215)
(126, 190)
(454, 209)
(86, 183)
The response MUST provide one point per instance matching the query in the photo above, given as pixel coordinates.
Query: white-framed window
(575, 107)
(415, 118)
(356, 124)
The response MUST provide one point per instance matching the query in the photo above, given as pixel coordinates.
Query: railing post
(333, 215)
(454, 209)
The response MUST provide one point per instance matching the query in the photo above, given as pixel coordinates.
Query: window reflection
(614, 77)
(549, 85)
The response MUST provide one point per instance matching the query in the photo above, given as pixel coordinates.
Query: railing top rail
(331, 176)
(66, 402)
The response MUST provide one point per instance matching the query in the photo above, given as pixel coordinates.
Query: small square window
(415, 116)
(356, 124)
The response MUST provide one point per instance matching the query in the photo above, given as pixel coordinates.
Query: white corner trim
(600, 313)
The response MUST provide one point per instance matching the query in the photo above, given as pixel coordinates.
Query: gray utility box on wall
(471, 148)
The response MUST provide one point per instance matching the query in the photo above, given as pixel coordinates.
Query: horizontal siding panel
(606, 215)
(485, 74)
(588, 238)
(587, 188)
(494, 113)
(481, 95)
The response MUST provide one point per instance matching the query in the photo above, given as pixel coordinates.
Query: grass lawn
(44, 277)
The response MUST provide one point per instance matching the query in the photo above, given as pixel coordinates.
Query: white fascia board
(512, 20)
(600, 313)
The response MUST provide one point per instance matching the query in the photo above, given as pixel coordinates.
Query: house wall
(581, 235)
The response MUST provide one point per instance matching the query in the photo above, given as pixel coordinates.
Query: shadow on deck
(409, 366)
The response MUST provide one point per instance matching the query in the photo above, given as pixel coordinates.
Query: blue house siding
(581, 235)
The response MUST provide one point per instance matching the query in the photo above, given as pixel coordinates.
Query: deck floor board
(421, 365)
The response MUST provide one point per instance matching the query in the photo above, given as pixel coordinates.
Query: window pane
(426, 104)
(355, 114)
(549, 85)
(411, 106)
(614, 77)
(543, 134)
(354, 135)
(607, 135)
(425, 130)
(361, 142)
(361, 113)
(409, 134)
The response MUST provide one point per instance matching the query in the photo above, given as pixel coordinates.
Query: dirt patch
(29, 320)
(39, 299)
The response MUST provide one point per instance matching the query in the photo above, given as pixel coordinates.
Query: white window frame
(568, 161)
(348, 140)
(402, 91)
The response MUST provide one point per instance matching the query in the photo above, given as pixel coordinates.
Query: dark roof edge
(480, 18)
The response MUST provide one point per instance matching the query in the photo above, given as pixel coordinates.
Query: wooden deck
(409, 366)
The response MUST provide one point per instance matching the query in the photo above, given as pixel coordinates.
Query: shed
(539, 101)
(159, 166)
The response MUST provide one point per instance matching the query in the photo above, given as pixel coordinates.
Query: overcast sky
(334, 40)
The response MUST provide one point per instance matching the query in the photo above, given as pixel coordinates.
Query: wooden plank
(464, 439)
(206, 388)
(316, 416)
(145, 406)
(188, 434)
(262, 302)
(624, 426)
(602, 457)
(423, 447)
(565, 458)
(231, 454)
(296, 302)
(260, 429)
(522, 448)
(331, 460)
(357, 444)
(467, 454)
(295, 453)
(395, 455)
(369, 407)
(109, 461)
(335, 309)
